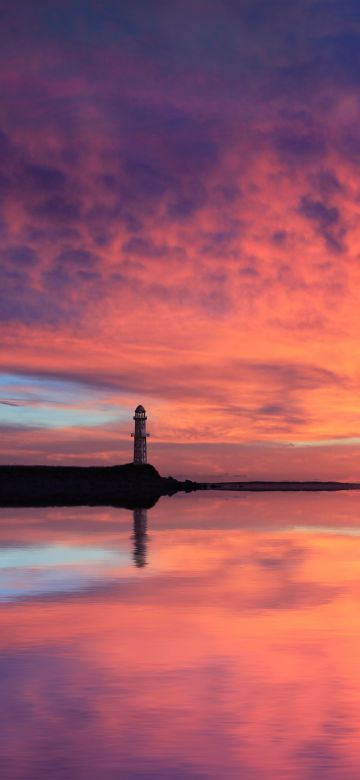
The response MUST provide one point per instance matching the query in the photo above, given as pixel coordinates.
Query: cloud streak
(178, 211)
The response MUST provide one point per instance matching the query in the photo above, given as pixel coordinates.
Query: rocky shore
(128, 485)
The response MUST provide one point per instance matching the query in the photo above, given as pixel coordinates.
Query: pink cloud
(169, 233)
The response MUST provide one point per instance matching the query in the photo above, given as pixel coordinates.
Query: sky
(179, 227)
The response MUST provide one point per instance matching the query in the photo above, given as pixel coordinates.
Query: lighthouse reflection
(140, 537)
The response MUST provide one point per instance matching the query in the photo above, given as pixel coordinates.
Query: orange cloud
(177, 240)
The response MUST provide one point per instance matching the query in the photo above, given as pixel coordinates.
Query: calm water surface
(213, 637)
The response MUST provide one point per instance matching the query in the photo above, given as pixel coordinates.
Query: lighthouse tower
(140, 435)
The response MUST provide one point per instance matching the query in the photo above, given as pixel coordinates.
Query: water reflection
(54, 568)
(233, 653)
(140, 537)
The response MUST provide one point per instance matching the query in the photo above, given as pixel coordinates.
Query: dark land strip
(283, 486)
(130, 486)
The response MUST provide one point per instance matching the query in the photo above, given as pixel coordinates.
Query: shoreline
(129, 485)
(281, 486)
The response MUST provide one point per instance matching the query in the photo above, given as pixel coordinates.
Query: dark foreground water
(222, 641)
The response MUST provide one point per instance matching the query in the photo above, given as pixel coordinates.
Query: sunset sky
(179, 220)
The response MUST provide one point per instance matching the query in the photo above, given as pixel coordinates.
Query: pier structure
(140, 435)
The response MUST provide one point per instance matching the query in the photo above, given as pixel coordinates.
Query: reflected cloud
(54, 568)
(190, 661)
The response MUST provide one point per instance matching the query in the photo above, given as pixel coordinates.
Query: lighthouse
(140, 435)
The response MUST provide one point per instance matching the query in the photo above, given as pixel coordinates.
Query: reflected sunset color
(233, 653)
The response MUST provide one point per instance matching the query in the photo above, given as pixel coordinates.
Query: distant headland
(136, 484)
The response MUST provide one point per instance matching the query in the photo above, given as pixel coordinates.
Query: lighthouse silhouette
(140, 435)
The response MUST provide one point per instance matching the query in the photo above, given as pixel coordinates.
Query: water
(213, 637)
